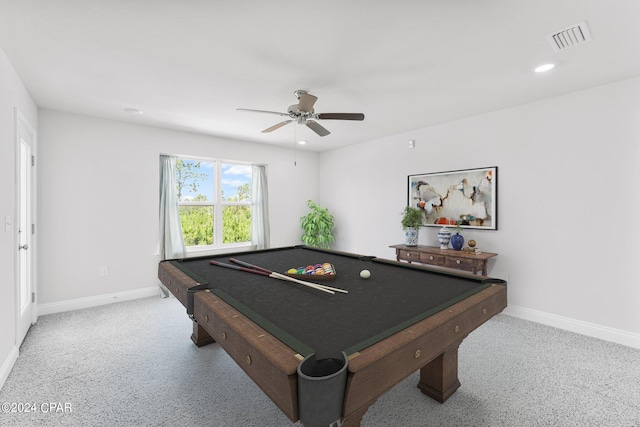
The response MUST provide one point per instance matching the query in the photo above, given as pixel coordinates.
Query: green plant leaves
(317, 226)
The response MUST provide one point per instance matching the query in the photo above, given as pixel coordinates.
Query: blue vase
(457, 241)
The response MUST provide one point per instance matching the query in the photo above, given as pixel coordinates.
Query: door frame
(21, 120)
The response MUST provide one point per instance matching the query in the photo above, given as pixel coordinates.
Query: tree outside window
(214, 202)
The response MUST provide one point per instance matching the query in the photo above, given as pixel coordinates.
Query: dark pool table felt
(393, 298)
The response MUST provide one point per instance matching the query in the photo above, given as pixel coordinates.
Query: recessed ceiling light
(302, 142)
(133, 111)
(544, 67)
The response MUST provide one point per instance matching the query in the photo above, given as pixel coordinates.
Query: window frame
(218, 205)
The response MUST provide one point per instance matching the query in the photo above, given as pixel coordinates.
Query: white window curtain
(171, 241)
(260, 236)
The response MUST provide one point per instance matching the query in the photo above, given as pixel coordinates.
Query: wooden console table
(450, 258)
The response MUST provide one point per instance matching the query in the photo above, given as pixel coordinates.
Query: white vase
(444, 237)
(411, 236)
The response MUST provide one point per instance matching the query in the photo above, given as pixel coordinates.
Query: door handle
(25, 247)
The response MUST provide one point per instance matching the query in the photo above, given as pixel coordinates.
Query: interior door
(25, 228)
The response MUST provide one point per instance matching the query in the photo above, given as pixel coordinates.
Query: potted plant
(411, 223)
(317, 226)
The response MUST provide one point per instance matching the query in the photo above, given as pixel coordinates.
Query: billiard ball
(365, 274)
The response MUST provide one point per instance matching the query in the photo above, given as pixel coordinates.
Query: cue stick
(283, 276)
(272, 275)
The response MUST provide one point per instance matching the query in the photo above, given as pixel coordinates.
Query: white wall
(99, 201)
(567, 201)
(12, 95)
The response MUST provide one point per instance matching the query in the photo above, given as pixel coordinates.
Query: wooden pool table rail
(268, 362)
(380, 367)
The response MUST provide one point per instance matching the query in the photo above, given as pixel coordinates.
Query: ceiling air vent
(569, 37)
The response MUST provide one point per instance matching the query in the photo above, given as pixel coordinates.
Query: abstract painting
(466, 197)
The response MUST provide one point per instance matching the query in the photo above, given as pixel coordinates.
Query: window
(214, 199)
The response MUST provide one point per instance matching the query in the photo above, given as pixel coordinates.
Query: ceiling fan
(303, 114)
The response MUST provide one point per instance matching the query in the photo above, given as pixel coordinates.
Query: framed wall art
(465, 197)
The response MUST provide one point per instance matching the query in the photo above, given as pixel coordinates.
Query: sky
(233, 175)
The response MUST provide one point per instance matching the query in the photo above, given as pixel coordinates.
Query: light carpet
(133, 364)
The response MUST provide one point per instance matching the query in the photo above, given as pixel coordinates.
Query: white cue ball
(365, 274)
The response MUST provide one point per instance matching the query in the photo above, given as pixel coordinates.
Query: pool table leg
(439, 378)
(354, 419)
(199, 336)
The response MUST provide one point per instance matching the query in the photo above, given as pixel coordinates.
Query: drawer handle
(431, 258)
(248, 360)
(206, 318)
(417, 354)
(458, 261)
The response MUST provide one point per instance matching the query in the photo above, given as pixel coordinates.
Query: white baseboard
(617, 336)
(7, 365)
(75, 304)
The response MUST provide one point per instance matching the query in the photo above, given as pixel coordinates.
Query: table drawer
(408, 255)
(460, 263)
(432, 259)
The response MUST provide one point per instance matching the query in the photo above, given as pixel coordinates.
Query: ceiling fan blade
(306, 102)
(317, 128)
(262, 111)
(340, 116)
(278, 126)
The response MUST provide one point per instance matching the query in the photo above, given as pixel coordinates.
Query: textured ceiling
(405, 64)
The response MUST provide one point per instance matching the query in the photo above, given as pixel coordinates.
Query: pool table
(403, 318)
